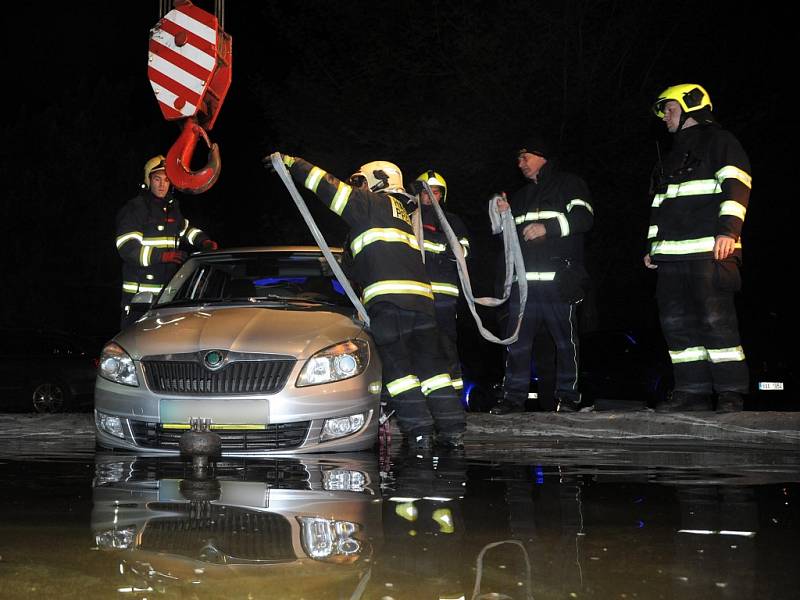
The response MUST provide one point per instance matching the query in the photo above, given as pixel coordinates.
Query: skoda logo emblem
(214, 359)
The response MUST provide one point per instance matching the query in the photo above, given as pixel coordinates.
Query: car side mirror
(143, 299)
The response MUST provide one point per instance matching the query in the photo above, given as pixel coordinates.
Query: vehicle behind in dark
(618, 370)
(46, 371)
(622, 370)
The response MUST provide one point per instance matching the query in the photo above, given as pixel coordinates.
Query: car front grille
(276, 473)
(278, 436)
(240, 377)
(216, 533)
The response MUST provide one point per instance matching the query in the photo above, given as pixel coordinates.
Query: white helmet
(383, 176)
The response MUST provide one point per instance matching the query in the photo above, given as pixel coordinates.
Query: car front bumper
(289, 422)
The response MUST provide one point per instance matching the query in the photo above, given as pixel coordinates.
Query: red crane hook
(179, 159)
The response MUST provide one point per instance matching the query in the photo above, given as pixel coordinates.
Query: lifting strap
(280, 169)
(515, 266)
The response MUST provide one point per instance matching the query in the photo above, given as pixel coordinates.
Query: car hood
(298, 333)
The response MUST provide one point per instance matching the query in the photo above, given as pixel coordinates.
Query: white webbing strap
(416, 224)
(280, 169)
(515, 266)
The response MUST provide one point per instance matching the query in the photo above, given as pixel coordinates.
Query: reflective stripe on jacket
(146, 227)
(386, 257)
(704, 192)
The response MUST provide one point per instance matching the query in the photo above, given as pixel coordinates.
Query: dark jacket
(146, 228)
(560, 201)
(387, 262)
(702, 192)
(440, 262)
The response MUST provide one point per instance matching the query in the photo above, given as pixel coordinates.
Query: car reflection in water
(308, 525)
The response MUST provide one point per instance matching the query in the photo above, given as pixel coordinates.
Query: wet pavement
(536, 517)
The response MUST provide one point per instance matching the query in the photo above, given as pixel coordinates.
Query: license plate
(221, 412)
(770, 385)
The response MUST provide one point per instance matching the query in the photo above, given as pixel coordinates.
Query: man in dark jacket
(150, 231)
(440, 264)
(397, 294)
(702, 190)
(552, 212)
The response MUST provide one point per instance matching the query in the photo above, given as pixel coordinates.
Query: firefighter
(150, 233)
(398, 297)
(702, 189)
(552, 212)
(441, 266)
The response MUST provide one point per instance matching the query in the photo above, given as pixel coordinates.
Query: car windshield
(300, 278)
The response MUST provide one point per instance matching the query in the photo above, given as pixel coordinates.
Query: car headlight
(330, 540)
(344, 480)
(117, 366)
(109, 424)
(335, 363)
(341, 426)
(116, 539)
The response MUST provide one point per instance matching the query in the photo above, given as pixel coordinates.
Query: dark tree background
(453, 86)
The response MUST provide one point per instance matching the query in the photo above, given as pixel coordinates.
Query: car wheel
(49, 397)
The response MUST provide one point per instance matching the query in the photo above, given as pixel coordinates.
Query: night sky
(453, 86)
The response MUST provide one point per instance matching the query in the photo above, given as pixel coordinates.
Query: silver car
(260, 342)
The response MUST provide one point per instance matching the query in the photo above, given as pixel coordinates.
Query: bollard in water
(200, 443)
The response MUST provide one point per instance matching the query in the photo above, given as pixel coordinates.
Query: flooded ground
(517, 520)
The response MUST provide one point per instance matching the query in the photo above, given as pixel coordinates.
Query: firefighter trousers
(698, 319)
(544, 307)
(446, 310)
(415, 371)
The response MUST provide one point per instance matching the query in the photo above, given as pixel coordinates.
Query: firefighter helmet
(157, 163)
(690, 96)
(383, 176)
(432, 178)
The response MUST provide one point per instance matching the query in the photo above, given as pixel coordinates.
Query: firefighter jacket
(559, 201)
(702, 191)
(387, 261)
(146, 227)
(440, 262)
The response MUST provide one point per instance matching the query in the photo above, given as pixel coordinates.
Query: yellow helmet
(383, 176)
(157, 163)
(432, 178)
(690, 96)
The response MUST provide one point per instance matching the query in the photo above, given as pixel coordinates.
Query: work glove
(209, 245)
(288, 161)
(177, 257)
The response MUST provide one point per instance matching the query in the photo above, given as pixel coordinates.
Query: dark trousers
(698, 319)
(446, 311)
(544, 307)
(408, 344)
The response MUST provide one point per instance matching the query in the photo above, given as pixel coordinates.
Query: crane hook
(179, 158)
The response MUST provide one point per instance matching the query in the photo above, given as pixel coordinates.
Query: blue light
(275, 280)
(337, 287)
(539, 475)
(468, 386)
